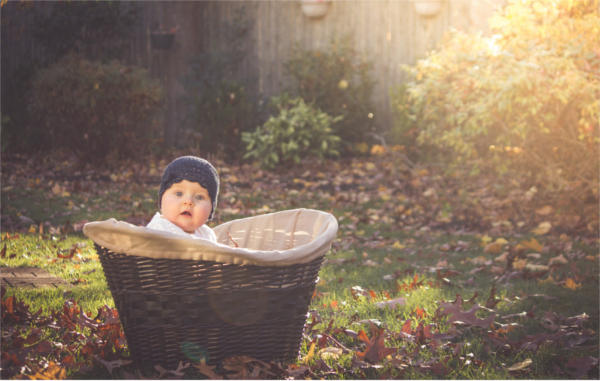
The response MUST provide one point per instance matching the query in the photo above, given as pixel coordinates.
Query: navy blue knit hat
(193, 169)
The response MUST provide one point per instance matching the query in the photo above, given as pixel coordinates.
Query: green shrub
(299, 130)
(404, 130)
(94, 110)
(219, 93)
(43, 32)
(338, 81)
(523, 101)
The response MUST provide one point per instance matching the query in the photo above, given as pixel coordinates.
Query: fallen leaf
(571, 284)
(580, 367)
(332, 353)
(397, 245)
(376, 350)
(391, 303)
(536, 268)
(520, 365)
(310, 354)
(519, 264)
(549, 279)
(456, 314)
(357, 291)
(495, 247)
(502, 257)
(370, 263)
(532, 244)
(52, 372)
(558, 260)
(111, 365)
(481, 260)
(485, 240)
(544, 210)
(208, 370)
(420, 313)
(542, 228)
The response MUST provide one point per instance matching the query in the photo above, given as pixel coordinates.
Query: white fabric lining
(275, 239)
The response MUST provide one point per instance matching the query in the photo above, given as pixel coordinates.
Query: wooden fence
(390, 33)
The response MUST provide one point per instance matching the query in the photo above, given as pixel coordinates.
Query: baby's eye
(178, 193)
(199, 197)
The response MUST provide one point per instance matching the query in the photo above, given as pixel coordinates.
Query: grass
(372, 261)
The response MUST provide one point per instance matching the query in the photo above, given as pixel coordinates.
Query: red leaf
(420, 312)
(68, 360)
(8, 304)
(423, 333)
(376, 349)
(362, 336)
(43, 347)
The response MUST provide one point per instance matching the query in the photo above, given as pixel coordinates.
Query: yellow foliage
(542, 228)
(571, 284)
(523, 99)
(377, 149)
(532, 244)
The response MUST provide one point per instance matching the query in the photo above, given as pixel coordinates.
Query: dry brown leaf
(519, 264)
(532, 244)
(502, 257)
(376, 349)
(544, 210)
(495, 247)
(542, 228)
(558, 260)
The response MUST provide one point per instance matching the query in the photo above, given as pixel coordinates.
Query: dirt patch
(29, 277)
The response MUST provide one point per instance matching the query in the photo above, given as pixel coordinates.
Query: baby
(187, 198)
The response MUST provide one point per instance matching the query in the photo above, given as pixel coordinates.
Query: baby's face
(186, 204)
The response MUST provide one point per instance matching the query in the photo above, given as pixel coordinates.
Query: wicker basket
(188, 309)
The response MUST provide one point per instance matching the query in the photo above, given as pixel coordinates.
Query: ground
(428, 278)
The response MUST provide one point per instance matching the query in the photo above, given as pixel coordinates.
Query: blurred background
(217, 63)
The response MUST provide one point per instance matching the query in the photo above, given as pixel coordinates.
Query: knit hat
(193, 169)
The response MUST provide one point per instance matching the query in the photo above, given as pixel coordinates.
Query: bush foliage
(96, 30)
(338, 81)
(522, 101)
(94, 110)
(298, 130)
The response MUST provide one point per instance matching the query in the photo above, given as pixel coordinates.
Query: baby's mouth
(186, 213)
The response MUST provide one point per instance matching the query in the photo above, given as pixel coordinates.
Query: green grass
(83, 271)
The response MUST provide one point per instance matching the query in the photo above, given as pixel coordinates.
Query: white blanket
(158, 222)
(275, 239)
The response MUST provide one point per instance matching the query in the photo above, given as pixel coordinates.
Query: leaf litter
(396, 196)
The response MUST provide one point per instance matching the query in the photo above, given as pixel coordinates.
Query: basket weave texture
(186, 309)
(174, 310)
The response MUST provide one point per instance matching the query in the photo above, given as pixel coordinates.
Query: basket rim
(123, 237)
